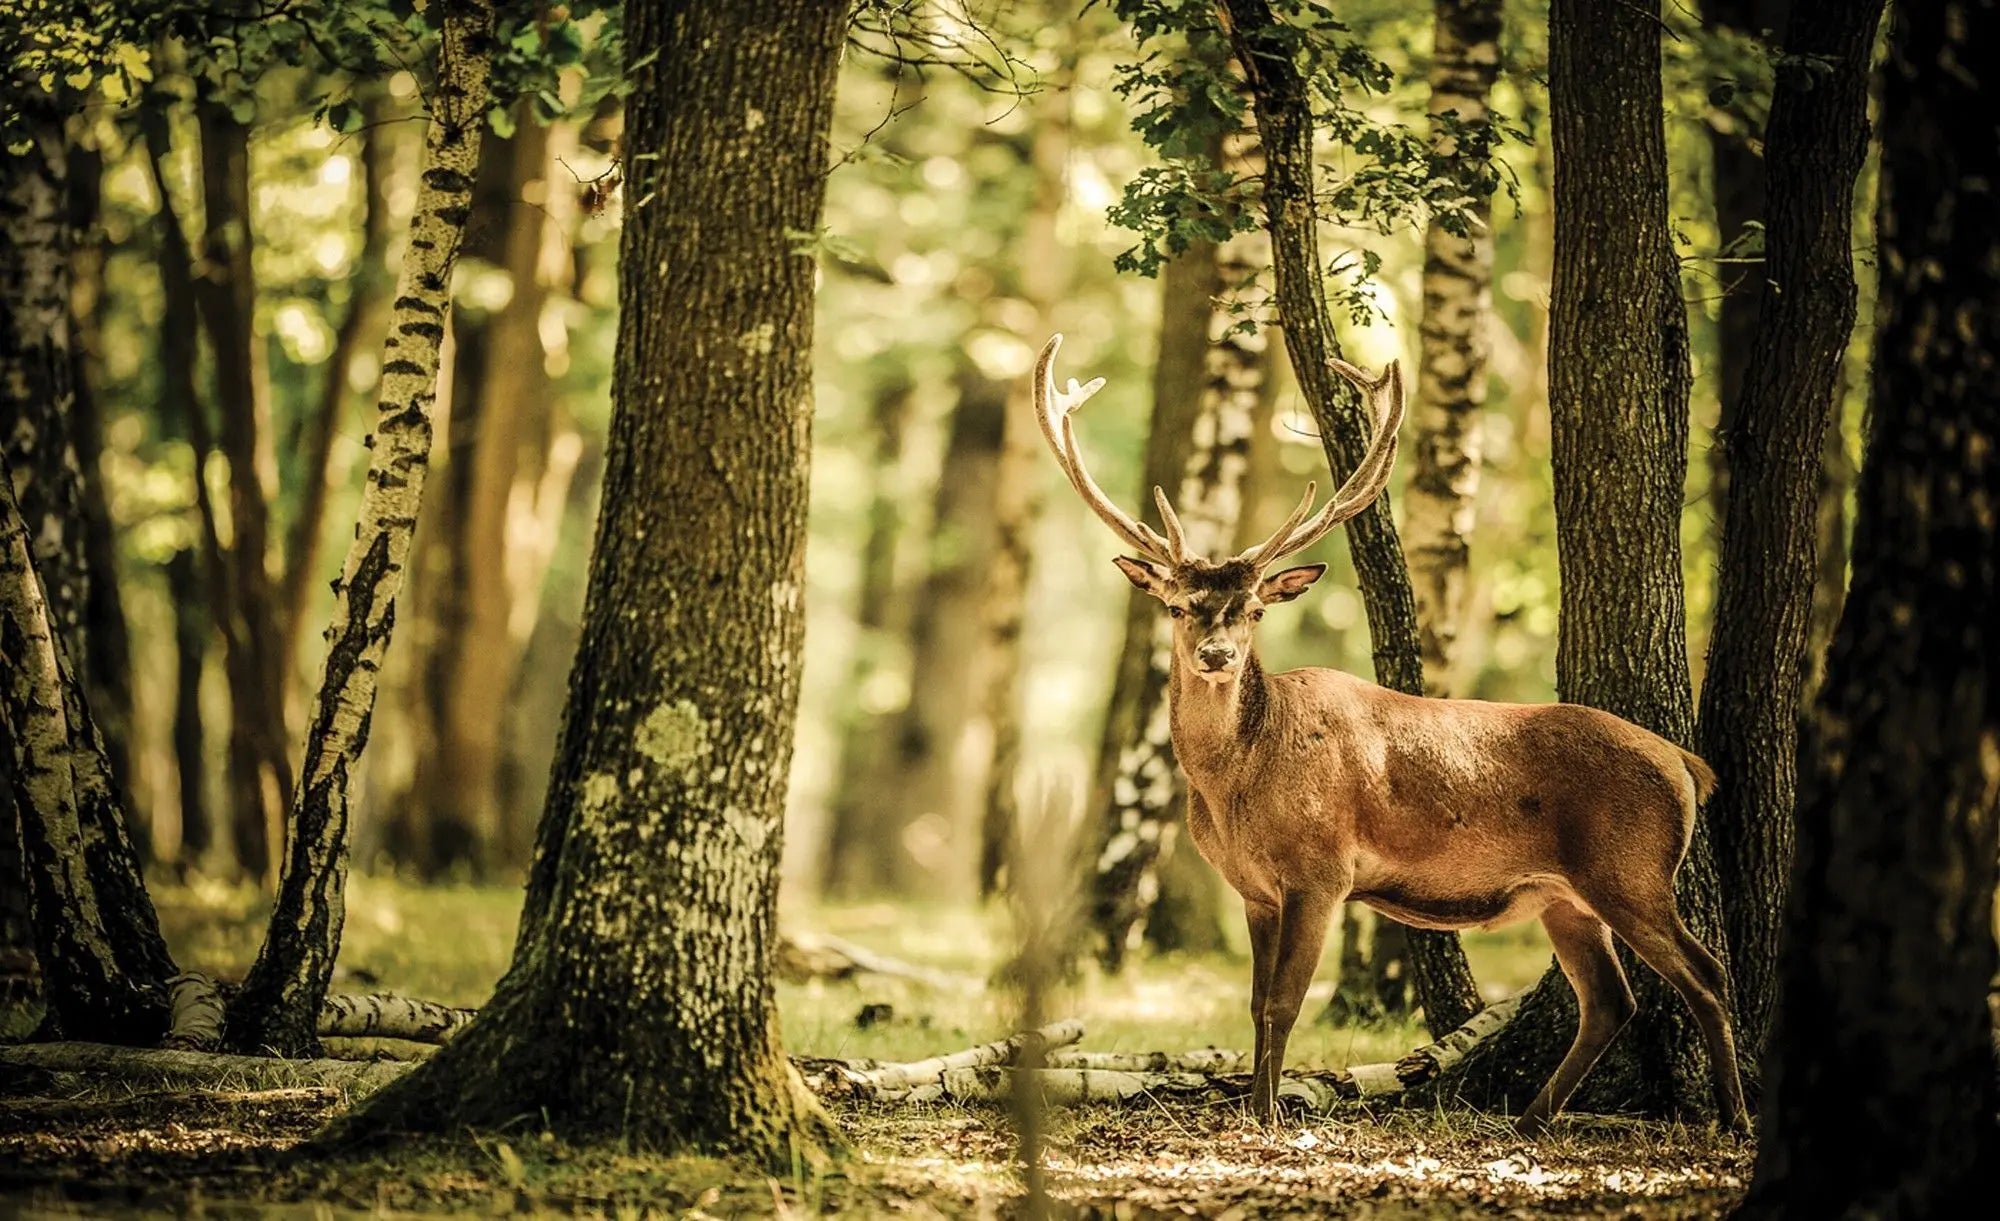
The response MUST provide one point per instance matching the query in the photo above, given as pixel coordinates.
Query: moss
(673, 735)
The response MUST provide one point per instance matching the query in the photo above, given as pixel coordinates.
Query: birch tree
(278, 1008)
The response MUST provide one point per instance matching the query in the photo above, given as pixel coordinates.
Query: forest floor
(122, 1151)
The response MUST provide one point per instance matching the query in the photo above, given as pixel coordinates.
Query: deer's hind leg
(1603, 999)
(1653, 927)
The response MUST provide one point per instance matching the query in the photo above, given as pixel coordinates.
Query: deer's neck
(1214, 722)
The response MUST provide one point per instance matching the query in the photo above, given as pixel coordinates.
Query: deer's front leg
(1301, 933)
(1264, 919)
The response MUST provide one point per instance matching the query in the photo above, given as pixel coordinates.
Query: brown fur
(1313, 787)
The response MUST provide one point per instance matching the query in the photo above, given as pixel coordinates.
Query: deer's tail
(1703, 774)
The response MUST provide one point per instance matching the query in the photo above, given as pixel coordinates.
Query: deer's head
(1216, 603)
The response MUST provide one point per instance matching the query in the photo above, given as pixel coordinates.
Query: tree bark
(104, 964)
(1618, 417)
(1890, 943)
(1752, 691)
(1738, 159)
(1439, 502)
(260, 770)
(282, 995)
(369, 288)
(639, 1006)
(1284, 124)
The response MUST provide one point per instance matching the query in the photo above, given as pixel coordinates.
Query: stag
(1312, 787)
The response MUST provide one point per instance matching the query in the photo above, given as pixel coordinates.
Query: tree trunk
(1751, 694)
(108, 679)
(191, 633)
(1439, 503)
(260, 770)
(104, 964)
(1739, 161)
(1890, 946)
(369, 288)
(499, 408)
(1137, 747)
(282, 995)
(1141, 807)
(96, 936)
(1284, 124)
(854, 829)
(639, 1006)
(1618, 340)
(921, 797)
(1017, 500)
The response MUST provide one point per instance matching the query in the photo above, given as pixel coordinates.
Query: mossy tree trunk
(1752, 691)
(1262, 44)
(1618, 397)
(278, 1007)
(1889, 945)
(639, 1006)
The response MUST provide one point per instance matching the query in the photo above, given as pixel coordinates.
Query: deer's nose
(1214, 656)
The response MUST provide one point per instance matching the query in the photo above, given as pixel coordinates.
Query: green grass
(450, 943)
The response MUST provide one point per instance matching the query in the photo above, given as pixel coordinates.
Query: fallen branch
(382, 1016)
(338, 1047)
(204, 1069)
(1204, 1060)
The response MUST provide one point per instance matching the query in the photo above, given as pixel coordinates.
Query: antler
(1052, 409)
(1384, 396)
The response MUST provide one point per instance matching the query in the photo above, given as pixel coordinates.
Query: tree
(278, 1007)
(639, 1006)
(1206, 386)
(1890, 944)
(1438, 504)
(1284, 114)
(94, 930)
(225, 289)
(104, 963)
(472, 578)
(1740, 172)
(1751, 695)
(1619, 337)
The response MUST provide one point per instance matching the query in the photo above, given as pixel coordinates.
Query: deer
(1311, 788)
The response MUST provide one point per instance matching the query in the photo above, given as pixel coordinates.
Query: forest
(734, 609)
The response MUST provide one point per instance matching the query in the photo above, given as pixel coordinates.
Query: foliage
(1190, 94)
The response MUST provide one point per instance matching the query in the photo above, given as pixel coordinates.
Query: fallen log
(1202, 1060)
(382, 1016)
(203, 1069)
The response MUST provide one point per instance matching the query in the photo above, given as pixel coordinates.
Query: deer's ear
(1289, 584)
(1146, 577)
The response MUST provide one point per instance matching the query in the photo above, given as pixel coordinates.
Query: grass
(120, 1151)
(451, 942)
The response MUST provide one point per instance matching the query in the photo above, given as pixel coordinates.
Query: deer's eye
(1257, 614)
(1175, 611)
